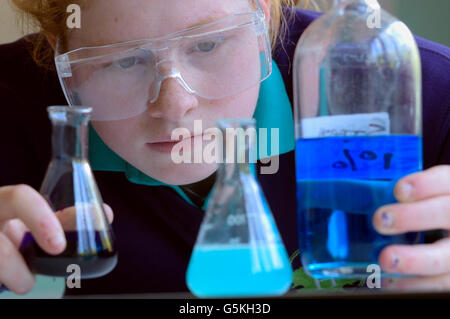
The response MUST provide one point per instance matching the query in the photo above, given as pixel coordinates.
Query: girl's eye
(206, 46)
(140, 57)
(127, 63)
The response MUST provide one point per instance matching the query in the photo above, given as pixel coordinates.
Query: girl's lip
(167, 146)
(162, 147)
(164, 140)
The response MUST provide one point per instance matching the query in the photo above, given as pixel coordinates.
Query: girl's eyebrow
(207, 20)
(200, 22)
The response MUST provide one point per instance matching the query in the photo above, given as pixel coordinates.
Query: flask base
(346, 270)
(239, 271)
(93, 265)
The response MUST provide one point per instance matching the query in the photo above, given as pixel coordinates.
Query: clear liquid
(335, 211)
(239, 271)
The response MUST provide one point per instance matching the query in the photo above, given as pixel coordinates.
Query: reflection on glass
(71, 191)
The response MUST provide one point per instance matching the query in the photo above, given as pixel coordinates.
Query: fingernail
(395, 262)
(407, 190)
(56, 241)
(27, 285)
(387, 219)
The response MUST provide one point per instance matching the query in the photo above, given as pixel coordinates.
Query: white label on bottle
(369, 124)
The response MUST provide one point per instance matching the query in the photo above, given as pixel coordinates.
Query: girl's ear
(52, 41)
(265, 4)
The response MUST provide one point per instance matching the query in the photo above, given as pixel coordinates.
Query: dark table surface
(305, 294)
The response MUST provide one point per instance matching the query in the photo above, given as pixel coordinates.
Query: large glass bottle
(239, 251)
(357, 91)
(71, 191)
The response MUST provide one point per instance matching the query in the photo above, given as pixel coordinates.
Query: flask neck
(239, 148)
(230, 171)
(70, 132)
(69, 141)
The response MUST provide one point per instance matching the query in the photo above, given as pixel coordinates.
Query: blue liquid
(336, 202)
(239, 271)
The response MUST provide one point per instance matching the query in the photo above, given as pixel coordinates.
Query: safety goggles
(213, 61)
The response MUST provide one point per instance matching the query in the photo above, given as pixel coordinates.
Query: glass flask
(358, 117)
(71, 191)
(239, 251)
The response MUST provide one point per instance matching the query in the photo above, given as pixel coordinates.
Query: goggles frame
(65, 62)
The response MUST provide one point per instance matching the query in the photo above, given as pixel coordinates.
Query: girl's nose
(173, 102)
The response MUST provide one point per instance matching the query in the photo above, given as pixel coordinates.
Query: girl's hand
(23, 209)
(424, 204)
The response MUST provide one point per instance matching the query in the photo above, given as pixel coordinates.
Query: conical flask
(239, 251)
(71, 191)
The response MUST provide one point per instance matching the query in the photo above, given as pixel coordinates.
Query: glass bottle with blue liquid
(239, 251)
(357, 92)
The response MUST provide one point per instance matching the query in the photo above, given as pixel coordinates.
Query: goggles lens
(213, 61)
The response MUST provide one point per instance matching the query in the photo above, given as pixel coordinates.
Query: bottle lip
(69, 109)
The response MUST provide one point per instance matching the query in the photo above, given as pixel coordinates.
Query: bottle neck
(69, 141)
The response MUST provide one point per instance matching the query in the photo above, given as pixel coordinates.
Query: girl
(158, 204)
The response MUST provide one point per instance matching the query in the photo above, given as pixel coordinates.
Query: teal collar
(272, 111)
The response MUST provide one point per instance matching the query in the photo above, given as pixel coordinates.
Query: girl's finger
(109, 213)
(14, 272)
(15, 230)
(428, 214)
(26, 204)
(429, 183)
(428, 260)
(68, 216)
(437, 283)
